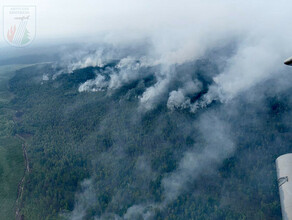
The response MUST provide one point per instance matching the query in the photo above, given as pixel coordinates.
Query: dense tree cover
(102, 137)
(11, 157)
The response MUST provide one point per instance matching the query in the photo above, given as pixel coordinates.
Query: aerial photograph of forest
(145, 110)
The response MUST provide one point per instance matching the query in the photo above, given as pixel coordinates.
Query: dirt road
(20, 188)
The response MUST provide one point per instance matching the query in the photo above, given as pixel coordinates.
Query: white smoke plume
(179, 98)
(179, 32)
(126, 71)
(253, 63)
(262, 43)
(97, 84)
(153, 95)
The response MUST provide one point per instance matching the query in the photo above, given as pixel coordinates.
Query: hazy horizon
(132, 108)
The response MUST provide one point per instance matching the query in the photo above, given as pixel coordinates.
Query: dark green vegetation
(11, 171)
(100, 136)
(11, 159)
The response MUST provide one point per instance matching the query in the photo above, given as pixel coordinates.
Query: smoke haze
(198, 58)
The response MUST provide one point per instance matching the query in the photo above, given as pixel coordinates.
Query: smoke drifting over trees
(169, 110)
(205, 59)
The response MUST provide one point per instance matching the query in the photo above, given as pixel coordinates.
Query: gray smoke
(85, 199)
(262, 43)
(126, 71)
(217, 145)
(179, 99)
(187, 32)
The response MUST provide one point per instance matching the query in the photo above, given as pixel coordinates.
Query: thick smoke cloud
(164, 37)
(179, 98)
(186, 32)
(251, 65)
(126, 71)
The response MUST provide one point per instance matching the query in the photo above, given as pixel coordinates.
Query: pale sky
(183, 26)
(74, 18)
